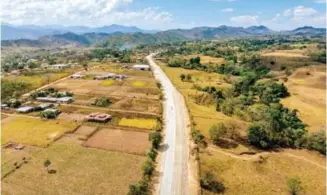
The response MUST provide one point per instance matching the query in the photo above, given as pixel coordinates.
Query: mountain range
(129, 37)
(11, 32)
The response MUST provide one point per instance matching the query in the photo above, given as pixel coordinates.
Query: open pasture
(265, 175)
(34, 131)
(307, 87)
(80, 170)
(133, 142)
(207, 60)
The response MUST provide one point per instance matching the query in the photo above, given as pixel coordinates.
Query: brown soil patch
(118, 140)
(85, 130)
(71, 117)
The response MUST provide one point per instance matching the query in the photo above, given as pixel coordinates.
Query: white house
(141, 67)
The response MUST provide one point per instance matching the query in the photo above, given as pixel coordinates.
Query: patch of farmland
(142, 105)
(85, 130)
(141, 123)
(119, 140)
(80, 170)
(34, 131)
(207, 60)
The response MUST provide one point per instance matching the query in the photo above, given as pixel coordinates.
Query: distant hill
(130, 40)
(11, 32)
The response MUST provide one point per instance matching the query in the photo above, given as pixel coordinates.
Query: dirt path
(176, 175)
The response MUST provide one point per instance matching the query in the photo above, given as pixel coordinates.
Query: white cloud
(227, 10)
(319, 1)
(246, 20)
(295, 17)
(80, 12)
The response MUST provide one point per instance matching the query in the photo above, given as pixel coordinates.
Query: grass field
(34, 131)
(119, 140)
(268, 177)
(207, 60)
(138, 123)
(80, 170)
(307, 87)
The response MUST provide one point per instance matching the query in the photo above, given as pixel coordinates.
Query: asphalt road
(173, 166)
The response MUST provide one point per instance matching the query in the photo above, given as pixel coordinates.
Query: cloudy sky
(166, 14)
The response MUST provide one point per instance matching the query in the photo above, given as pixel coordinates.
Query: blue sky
(167, 14)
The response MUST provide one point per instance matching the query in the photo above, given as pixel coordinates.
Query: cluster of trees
(185, 77)
(142, 187)
(12, 89)
(124, 56)
(209, 183)
(52, 92)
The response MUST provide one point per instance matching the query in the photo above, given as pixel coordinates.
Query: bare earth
(177, 173)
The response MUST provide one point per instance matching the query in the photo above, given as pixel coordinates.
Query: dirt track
(176, 170)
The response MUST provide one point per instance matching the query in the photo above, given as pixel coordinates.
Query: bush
(148, 168)
(182, 76)
(295, 186)
(197, 136)
(217, 131)
(176, 62)
(141, 188)
(259, 135)
(13, 103)
(155, 138)
(152, 154)
(209, 183)
(317, 141)
(102, 102)
(48, 114)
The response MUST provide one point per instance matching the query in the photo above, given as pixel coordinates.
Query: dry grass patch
(141, 123)
(207, 60)
(118, 140)
(85, 130)
(308, 95)
(266, 178)
(138, 84)
(80, 170)
(34, 131)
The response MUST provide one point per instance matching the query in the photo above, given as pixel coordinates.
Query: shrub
(176, 62)
(48, 114)
(155, 138)
(151, 154)
(197, 136)
(209, 183)
(217, 131)
(141, 188)
(317, 141)
(102, 102)
(258, 135)
(182, 76)
(148, 168)
(13, 103)
(295, 186)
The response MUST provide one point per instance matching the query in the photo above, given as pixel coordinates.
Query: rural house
(141, 67)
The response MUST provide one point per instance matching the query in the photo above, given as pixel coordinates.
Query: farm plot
(142, 105)
(34, 131)
(141, 123)
(207, 60)
(118, 140)
(80, 170)
(85, 130)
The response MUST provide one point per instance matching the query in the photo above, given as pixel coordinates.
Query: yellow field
(108, 82)
(138, 123)
(207, 60)
(34, 131)
(246, 174)
(307, 87)
(287, 53)
(138, 84)
(80, 170)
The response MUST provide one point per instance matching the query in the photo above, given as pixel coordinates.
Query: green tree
(216, 131)
(317, 141)
(141, 188)
(148, 168)
(155, 138)
(182, 76)
(209, 183)
(46, 164)
(259, 135)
